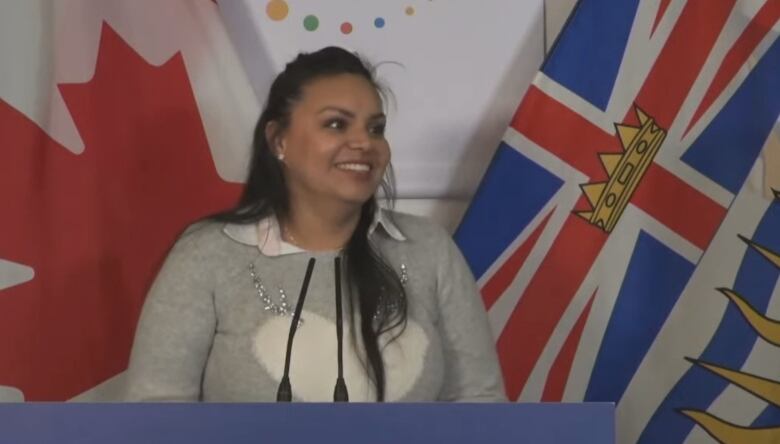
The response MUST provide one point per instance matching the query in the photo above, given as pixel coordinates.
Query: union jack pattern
(619, 202)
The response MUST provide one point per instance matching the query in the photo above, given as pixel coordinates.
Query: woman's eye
(378, 130)
(336, 124)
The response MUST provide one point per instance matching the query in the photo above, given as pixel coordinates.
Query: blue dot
(379, 22)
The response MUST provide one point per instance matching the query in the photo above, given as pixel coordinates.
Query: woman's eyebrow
(350, 114)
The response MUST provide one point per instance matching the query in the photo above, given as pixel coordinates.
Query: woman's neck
(320, 227)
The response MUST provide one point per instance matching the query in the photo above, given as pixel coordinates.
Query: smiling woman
(334, 155)
(214, 326)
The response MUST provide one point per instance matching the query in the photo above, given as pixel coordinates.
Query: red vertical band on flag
(747, 42)
(499, 282)
(679, 63)
(559, 372)
(545, 299)
(95, 227)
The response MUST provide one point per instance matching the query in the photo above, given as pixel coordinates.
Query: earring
(280, 156)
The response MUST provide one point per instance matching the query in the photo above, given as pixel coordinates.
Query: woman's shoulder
(417, 229)
(204, 247)
(210, 234)
(201, 231)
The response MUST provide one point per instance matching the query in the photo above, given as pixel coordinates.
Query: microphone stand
(340, 391)
(284, 392)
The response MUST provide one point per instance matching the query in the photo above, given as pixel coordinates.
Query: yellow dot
(277, 10)
(409, 10)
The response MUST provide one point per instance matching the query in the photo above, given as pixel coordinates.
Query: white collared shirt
(267, 234)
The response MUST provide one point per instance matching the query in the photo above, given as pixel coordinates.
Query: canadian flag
(120, 123)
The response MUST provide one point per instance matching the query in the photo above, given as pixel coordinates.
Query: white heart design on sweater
(313, 363)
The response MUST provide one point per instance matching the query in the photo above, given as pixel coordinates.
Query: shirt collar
(266, 234)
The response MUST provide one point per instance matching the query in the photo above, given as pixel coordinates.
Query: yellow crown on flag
(625, 170)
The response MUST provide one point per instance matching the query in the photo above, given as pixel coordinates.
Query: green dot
(311, 23)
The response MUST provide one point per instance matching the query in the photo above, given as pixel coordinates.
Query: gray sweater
(206, 333)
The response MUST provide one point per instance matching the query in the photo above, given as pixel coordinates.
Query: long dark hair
(375, 288)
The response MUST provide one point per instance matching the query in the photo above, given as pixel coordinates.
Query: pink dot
(346, 28)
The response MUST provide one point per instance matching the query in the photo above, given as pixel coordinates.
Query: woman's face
(334, 147)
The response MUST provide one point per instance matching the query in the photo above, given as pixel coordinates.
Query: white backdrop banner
(457, 70)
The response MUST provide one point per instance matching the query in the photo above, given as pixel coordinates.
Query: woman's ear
(274, 139)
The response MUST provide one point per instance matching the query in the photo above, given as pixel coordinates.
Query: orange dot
(346, 28)
(409, 10)
(277, 10)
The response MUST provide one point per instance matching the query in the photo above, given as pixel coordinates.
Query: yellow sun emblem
(766, 389)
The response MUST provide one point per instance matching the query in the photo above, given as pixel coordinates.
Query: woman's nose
(359, 139)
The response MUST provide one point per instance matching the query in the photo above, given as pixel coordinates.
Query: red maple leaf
(95, 227)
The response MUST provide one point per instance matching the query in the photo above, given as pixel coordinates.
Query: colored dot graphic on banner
(311, 23)
(279, 10)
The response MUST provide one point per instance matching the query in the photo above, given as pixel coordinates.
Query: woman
(215, 324)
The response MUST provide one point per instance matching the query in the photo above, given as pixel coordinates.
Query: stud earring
(280, 156)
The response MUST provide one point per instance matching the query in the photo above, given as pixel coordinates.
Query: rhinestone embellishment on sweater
(283, 307)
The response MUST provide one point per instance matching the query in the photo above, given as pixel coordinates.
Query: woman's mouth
(354, 166)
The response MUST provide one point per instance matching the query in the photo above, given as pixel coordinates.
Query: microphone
(284, 392)
(340, 391)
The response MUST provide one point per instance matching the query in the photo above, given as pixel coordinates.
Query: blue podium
(307, 423)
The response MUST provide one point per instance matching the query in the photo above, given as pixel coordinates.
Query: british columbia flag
(621, 244)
